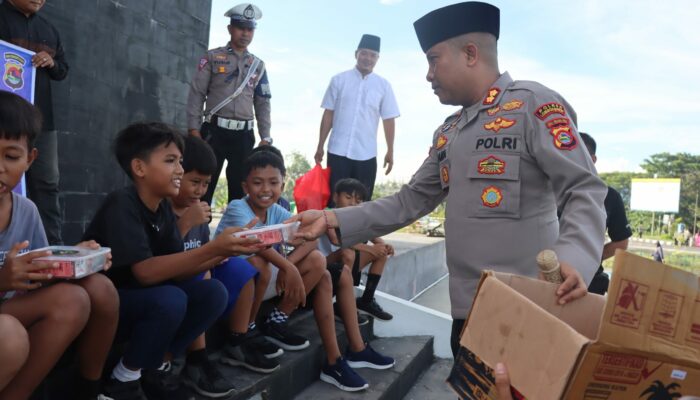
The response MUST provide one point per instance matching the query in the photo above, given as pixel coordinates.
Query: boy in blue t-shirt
(53, 316)
(199, 164)
(263, 172)
(161, 311)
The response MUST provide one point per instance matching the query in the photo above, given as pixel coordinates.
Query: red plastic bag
(312, 190)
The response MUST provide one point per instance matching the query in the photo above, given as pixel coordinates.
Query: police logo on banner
(13, 76)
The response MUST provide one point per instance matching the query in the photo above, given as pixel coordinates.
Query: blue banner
(18, 75)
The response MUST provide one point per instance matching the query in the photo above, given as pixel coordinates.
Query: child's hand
(18, 270)
(389, 249)
(229, 245)
(197, 214)
(377, 250)
(573, 287)
(93, 245)
(289, 281)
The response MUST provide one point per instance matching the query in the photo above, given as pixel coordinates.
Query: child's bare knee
(102, 293)
(14, 345)
(348, 256)
(70, 304)
(345, 277)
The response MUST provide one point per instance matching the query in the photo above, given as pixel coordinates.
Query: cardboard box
(74, 262)
(641, 341)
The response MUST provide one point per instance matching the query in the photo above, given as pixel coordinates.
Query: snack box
(271, 234)
(641, 341)
(74, 262)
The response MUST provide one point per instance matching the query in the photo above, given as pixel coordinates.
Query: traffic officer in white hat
(228, 93)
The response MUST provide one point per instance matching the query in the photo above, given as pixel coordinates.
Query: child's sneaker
(361, 319)
(117, 390)
(374, 309)
(262, 345)
(247, 356)
(207, 380)
(368, 358)
(164, 385)
(278, 333)
(343, 377)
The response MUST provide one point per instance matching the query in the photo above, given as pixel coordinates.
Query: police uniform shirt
(219, 73)
(357, 103)
(504, 164)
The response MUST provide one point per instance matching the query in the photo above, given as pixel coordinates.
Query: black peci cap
(456, 19)
(370, 42)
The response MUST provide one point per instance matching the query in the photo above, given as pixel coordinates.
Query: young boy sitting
(263, 173)
(53, 316)
(350, 192)
(160, 312)
(235, 273)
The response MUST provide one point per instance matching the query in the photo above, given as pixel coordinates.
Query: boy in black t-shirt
(160, 312)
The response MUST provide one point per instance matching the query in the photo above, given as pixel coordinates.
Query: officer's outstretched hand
(573, 287)
(502, 382)
(314, 223)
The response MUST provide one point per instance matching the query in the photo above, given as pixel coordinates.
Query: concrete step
(413, 355)
(298, 369)
(431, 384)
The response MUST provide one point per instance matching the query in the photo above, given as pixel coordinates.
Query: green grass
(681, 259)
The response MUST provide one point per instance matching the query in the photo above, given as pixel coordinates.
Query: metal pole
(695, 219)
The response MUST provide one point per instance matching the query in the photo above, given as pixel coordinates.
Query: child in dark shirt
(161, 312)
(58, 314)
(350, 192)
(235, 273)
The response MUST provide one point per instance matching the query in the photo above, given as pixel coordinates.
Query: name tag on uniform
(505, 143)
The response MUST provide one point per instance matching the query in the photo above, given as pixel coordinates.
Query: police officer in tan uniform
(233, 84)
(503, 162)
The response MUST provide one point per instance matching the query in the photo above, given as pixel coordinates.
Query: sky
(629, 69)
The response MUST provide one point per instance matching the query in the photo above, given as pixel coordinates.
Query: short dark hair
(19, 119)
(589, 142)
(351, 186)
(198, 156)
(272, 149)
(140, 139)
(262, 159)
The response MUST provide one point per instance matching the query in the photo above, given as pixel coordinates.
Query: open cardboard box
(640, 341)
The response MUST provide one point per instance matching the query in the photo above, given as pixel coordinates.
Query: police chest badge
(13, 76)
(561, 131)
(491, 165)
(491, 197)
(445, 175)
(498, 124)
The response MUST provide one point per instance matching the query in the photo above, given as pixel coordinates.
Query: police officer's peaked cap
(370, 42)
(244, 15)
(456, 19)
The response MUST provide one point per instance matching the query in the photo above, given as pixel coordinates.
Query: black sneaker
(164, 385)
(368, 358)
(374, 309)
(117, 390)
(206, 380)
(361, 318)
(343, 377)
(262, 345)
(277, 333)
(247, 356)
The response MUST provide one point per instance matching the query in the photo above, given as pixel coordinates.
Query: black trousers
(342, 167)
(234, 147)
(457, 325)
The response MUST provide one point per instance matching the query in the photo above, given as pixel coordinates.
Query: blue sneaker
(342, 376)
(368, 358)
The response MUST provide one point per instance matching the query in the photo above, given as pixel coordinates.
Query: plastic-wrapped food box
(271, 234)
(74, 262)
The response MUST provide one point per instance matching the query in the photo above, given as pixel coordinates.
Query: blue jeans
(166, 318)
(234, 274)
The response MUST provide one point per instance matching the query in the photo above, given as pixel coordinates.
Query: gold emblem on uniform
(493, 111)
(441, 142)
(445, 174)
(491, 197)
(498, 124)
(491, 97)
(491, 165)
(513, 105)
(222, 69)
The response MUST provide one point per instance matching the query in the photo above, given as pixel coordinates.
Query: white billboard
(661, 195)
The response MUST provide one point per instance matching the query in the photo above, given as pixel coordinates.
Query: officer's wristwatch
(267, 139)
